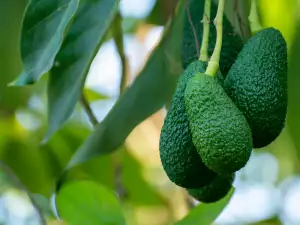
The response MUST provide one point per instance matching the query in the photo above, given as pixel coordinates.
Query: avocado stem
(253, 18)
(213, 64)
(205, 36)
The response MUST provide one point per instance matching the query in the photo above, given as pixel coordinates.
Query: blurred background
(267, 189)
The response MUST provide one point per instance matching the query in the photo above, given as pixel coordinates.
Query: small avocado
(220, 131)
(215, 191)
(257, 84)
(178, 155)
(231, 44)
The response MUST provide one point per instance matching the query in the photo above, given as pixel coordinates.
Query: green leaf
(151, 89)
(139, 191)
(11, 15)
(92, 95)
(205, 214)
(43, 30)
(86, 202)
(293, 122)
(66, 80)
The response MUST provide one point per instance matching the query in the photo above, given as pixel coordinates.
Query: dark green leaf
(43, 30)
(161, 11)
(67, 78)
(205, 214)
(86, 202)
(151, 89)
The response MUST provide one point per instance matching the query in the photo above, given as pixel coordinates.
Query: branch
(205, 38)
(125, 78)
(254, 18)
(213, 64)
(192, 26)
(17, 182)
(88, 110)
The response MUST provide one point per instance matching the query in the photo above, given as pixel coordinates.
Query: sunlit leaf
(293, 121)
(152, 88)
(43, 30)
(72, 63)
(138, 190)
(206, 214)
(86, 202)
(92, 95)
(11, 13)
(24, 159)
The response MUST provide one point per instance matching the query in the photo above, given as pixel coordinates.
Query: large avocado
(257, 84)
(220, 131)
(231, 45)
(178, 155)
(215, 191)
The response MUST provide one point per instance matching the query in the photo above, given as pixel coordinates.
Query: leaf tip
(22, 80)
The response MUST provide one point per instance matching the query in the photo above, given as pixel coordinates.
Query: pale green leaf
(92, 95)
(206, 214)
(86, 202)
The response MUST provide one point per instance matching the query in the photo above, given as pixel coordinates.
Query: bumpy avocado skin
(178, 155)
(220, 131)
(231, 45)
(215, 191)
(257, 84)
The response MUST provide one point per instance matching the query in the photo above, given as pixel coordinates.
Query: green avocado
(220, 131)
(215, 191)
(257, 84)
(178, 155)
(231, 45)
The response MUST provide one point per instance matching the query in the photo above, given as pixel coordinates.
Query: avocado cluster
(214, 122)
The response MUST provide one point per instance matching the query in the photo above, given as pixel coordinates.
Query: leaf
(293, 122)
(66, 80)
(11, 14)
(92, 95)
(205, 214)
(43, 30)
(149, 92)
(86, 202)
(139, 191)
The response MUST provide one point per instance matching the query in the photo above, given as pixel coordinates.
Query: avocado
(178, 155)
(220, 131)
(215, 191)
(257, 84)
(231, 44)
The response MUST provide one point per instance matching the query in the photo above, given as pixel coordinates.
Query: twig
(205, 38)
(192, 26)
(16, 181)
(88, 110)
(213, 64)
(125, 78)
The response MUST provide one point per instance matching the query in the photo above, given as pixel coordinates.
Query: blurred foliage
(131, 128)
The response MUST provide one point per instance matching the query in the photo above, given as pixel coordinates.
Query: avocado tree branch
(192, 26)
(88, 110)
(205, 38)
(213, 64)
(253, 18)
(125, 78)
